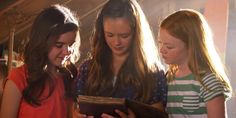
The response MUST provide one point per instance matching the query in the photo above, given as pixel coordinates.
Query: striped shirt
(187, 97)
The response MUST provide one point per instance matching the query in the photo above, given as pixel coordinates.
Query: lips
(60, 60)
(118, 48)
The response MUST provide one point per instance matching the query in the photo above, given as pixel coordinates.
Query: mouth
(65, 59)
(118, 48)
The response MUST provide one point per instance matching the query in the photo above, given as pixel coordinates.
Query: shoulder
(83, 69)
(18, 72)
(18, 76)
(84, 65)
(210, 79)
(212, 87)
(160, 90)
(160, 75)
(160, 78)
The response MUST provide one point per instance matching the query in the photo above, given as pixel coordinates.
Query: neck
(53, 71)
(117, 62)
(182, 71)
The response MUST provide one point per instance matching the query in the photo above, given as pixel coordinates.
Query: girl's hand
(77, 114)
(121, 114)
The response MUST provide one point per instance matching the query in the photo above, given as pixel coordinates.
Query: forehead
(68, 37)
(165, 37)
(116, 25)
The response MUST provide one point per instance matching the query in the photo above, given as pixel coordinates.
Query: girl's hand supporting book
(122, 114)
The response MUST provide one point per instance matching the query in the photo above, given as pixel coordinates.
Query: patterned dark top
(159, 93)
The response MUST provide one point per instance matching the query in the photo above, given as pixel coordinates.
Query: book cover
(95, 106)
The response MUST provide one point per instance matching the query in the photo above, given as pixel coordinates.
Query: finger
(81, 115)
(121, 114)
(131, 114)
(90, 117)
(104, 115)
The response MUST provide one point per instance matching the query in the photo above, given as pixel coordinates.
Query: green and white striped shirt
(187, 97)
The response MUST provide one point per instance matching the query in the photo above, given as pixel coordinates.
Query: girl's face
(118, 35)
(62, 48)
(173, 50)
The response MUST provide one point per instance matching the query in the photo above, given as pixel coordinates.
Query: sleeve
(81, 78)
(17, 75)
(212, 87)
(160, 92)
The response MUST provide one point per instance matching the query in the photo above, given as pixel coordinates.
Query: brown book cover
(95, 106)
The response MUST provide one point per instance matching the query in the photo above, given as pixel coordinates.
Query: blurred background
(16, 17)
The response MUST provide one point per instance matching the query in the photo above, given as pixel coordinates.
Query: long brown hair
(139, 66)
(46, 29)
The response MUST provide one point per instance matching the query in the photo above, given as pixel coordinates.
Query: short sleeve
(160, 92)
(81, 78)
(212, 88)
(18, 76)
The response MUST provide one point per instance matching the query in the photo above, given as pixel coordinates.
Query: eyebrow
(169, 44)
(59, 42)
(107, 32)
(62, 42)
(166, 43)
(119, 33)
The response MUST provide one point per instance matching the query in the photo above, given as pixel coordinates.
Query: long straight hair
(139, 66)
(191, 27)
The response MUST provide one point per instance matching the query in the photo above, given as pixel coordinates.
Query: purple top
(159, 93)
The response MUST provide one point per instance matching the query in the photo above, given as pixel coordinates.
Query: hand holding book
(96, 106)
(121, 114)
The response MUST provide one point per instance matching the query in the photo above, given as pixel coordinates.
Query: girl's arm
(11, 100)
(160, 94)
(159, 106)
(216, 108)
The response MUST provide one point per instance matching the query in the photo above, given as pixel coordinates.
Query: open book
(95, 106)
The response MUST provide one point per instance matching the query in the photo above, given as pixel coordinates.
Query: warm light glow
(149, 46)
(213, 55)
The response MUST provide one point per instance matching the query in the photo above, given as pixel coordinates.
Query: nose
(67, 50)
(117, 40)
(162, 50)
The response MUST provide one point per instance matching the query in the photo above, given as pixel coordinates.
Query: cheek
(179, 55)
(53, 53)
(108, 43)
(127, 42)
(173, 53)
(107, 39)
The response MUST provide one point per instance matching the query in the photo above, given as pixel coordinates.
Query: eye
(109, 35)
(169, 47)
(59, 44)
(125, 36)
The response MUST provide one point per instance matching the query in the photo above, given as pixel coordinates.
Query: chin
(58, 63)
(121, 53)
(167, 62)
